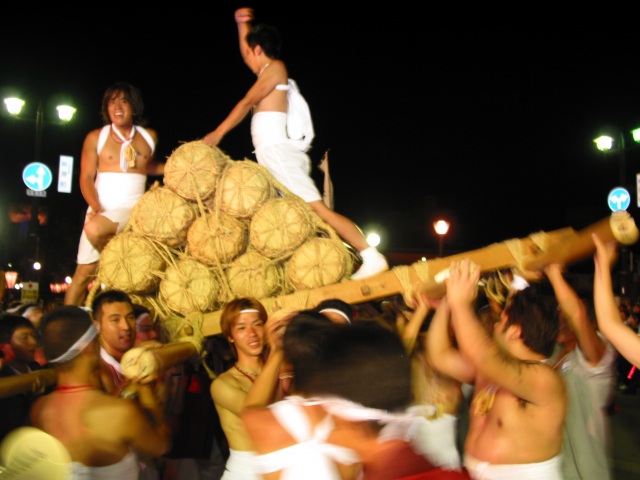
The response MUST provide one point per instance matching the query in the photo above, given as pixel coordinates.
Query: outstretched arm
(624, 339)
(575, 311)
(243, 17)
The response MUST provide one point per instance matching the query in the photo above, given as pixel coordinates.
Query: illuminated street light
(607, 143)
(65, 113)
(373, 239)
(441, 227)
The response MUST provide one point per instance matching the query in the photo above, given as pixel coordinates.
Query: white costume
(125, 469)
(118, 193)
(548, 470)
(435, 439)
(241, 466)
(311, 457)
(275, 151)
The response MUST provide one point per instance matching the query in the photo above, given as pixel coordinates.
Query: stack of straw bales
(219, 229)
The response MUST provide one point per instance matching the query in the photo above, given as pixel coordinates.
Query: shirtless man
(242, 321)
(114, 165)
(519, 402)
(289, 165)
(102, 433)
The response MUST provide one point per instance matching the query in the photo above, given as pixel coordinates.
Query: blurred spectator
(18, 340)
(146, 328)
(336, 310)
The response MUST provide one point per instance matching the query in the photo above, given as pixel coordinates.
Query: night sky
(489, 123)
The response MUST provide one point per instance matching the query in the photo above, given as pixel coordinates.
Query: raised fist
(243, 15)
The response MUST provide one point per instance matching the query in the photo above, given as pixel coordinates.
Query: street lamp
(606, 143)
(441, 227)
(65, 113)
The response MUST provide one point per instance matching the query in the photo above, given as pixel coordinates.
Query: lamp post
(616, 142)
(605, 143)
(441, 227)
(14, 106)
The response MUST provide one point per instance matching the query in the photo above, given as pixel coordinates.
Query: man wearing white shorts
(276, 147)
(114, 165)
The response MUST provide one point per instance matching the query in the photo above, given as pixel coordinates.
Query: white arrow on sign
(38, 178)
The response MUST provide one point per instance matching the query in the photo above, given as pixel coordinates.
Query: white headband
(249, 310)
(79, 346)
(339, 312)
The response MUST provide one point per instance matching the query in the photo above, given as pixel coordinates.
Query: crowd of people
(512, 380)
(474, 384)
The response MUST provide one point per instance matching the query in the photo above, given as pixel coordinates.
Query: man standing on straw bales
(114, 165)
(276, 101)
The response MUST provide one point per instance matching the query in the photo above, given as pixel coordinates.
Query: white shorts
(118, 194)
(435, 439)
(548, 470)
(286, 163)
(240, 466)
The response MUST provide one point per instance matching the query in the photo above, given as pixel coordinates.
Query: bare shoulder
(114, 411)
(152, 132)
(92, 136)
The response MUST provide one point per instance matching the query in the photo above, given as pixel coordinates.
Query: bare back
(270, 97)
(430, 387)
(97, 429)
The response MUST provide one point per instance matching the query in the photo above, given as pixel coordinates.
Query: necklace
(262, 69)
(74, 388)
(251, 376)
(127, 151)
(483, 401)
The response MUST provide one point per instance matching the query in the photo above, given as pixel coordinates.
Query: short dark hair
(9, 323)
(131, 94)
(536, 314)
(336, 304)
(232, 310)
(268, 37)
(364, 362)
(61, 328)
(108, 296)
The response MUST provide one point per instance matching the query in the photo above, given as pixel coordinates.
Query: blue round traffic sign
(619, 199)
(37, 176)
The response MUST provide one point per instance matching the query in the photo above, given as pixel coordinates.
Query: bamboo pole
(528, 254)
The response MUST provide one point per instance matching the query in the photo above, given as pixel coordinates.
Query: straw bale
(254, 275)
(193, 168)
(216, 239)
(280, 226)
(163, 215)
(131, 263)
(243, 187)
(318, 262)
(188, 286)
